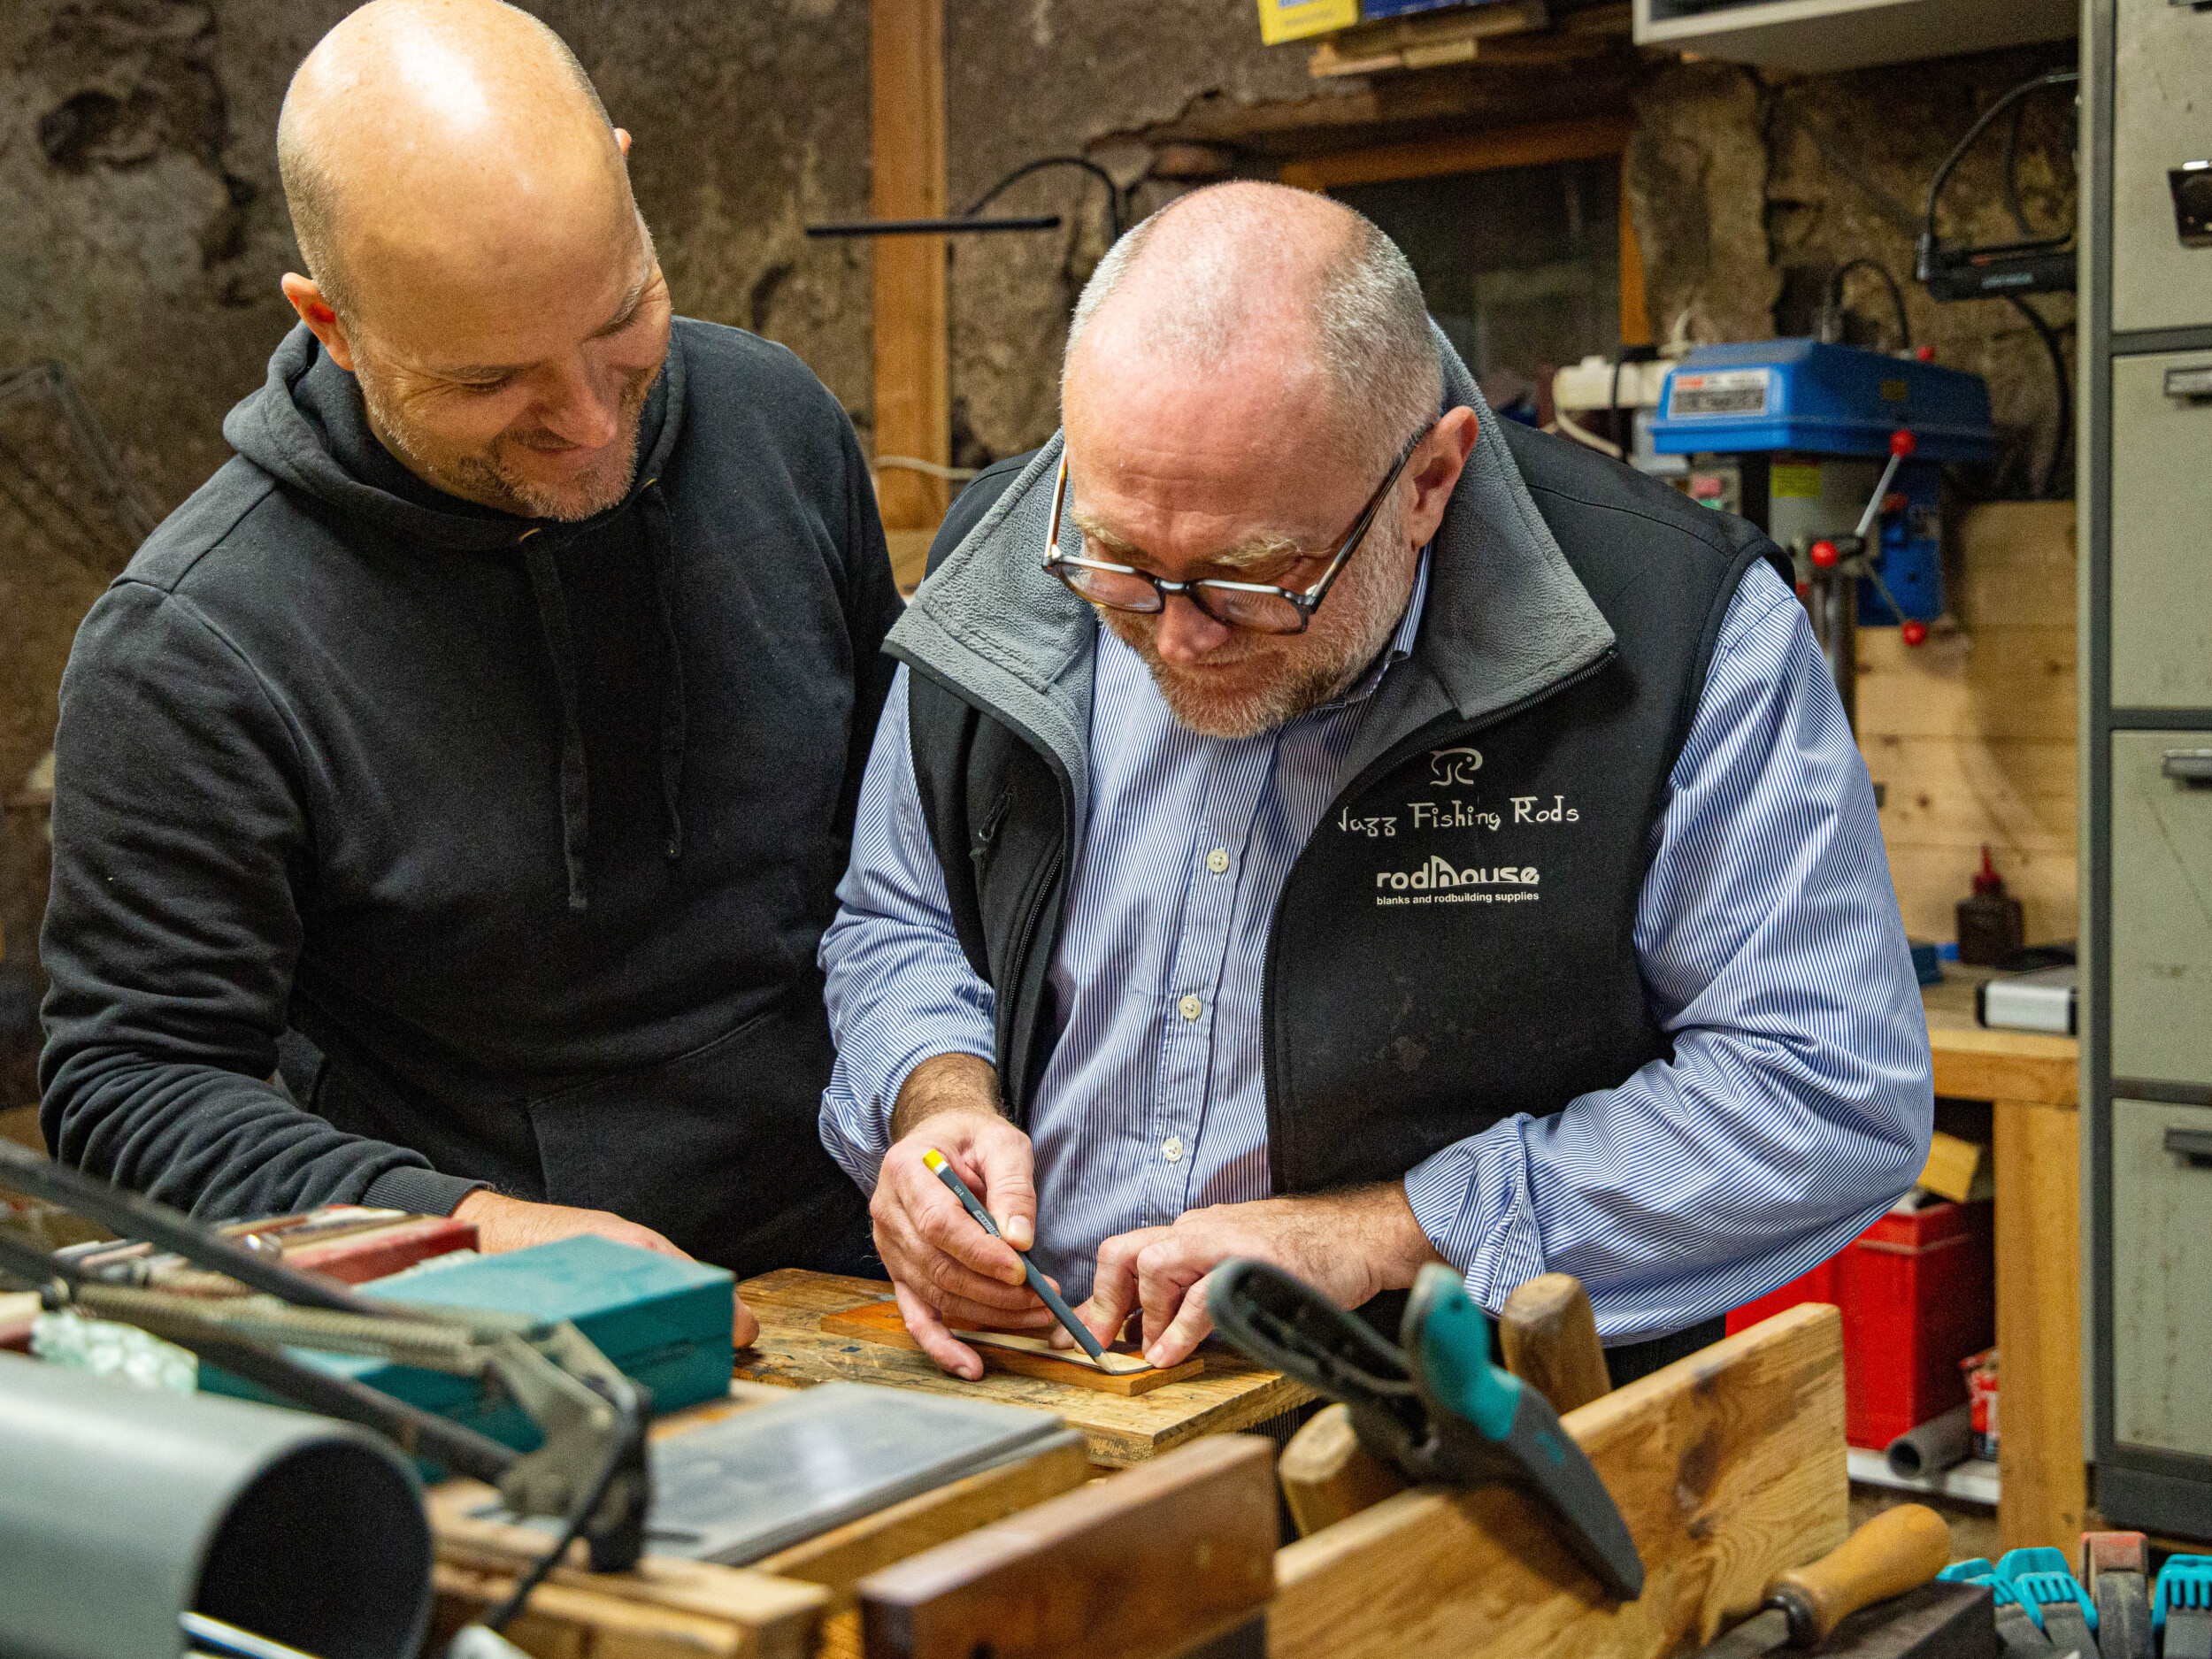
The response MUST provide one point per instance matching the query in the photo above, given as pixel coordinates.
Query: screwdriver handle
(1898, 1551)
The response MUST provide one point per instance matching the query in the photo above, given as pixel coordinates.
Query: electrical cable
(2061, 439)
(2055, 78)
(2012, 203)
(1831, 299)
(1115, 208)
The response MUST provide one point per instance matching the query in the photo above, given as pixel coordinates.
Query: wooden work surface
(2034, 1084)
(792, 1350)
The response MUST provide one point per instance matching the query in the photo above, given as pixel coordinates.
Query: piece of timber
(1026, 1354)
(1144, 1564)
(1728, 1467)
(1549, 1337)
(793, 1351)
(562, 1619)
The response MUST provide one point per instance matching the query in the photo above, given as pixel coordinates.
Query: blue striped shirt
(1795, 1109)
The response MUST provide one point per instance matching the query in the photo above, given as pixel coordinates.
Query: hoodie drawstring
(560, 645)
(660, 549)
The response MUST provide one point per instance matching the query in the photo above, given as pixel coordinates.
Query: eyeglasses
(1256, 606)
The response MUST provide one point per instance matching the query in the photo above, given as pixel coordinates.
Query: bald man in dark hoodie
(494, 719)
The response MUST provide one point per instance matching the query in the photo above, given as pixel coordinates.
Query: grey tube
(1934, 1445)
(122, 1507)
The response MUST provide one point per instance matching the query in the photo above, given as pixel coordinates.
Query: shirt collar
(1400, 648)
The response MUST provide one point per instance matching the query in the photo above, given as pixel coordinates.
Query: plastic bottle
(1991, 927)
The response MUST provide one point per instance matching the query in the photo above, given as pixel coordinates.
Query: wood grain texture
(563, 1620)
(1231, 1393)
(1135, 1566)
(1026, 1355)
(1326, 1475)
(907, 180)
(2043, 1490)
(1548, 1334)
(1728, 1466)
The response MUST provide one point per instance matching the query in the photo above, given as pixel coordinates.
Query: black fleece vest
(1455, 942)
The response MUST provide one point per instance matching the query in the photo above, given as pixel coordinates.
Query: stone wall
(143, 230)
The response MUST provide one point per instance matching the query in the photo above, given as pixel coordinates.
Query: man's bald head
(1258, 279)
(416, 123)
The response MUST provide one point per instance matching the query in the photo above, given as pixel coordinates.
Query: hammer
(1550, 1339)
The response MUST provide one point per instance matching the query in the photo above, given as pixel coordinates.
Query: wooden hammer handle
(1550, 1339)
(1898, 1551)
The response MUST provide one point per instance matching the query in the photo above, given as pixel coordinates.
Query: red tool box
(1918, 1294)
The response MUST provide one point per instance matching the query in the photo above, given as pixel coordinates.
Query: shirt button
(1217, 860)
(1171, 1148)
(1190, 1007)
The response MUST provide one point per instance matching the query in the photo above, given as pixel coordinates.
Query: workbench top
(1230, 1394)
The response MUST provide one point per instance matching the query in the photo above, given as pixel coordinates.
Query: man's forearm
(946, 1082)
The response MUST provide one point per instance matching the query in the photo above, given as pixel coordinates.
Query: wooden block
(1727, 1465)
(561, 1619)
(1952, 1166)
(2042, 1494)
(1027, 1356)
(1548, 1335)
(1326, 1474)
(793, 1350)
(1144, 1564)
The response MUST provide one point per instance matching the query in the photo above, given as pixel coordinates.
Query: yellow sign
(1294, 19)
(1786, 482)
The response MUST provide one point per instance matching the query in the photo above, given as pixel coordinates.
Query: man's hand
(510, 1224)
(1349, 1244)
(942, 1264)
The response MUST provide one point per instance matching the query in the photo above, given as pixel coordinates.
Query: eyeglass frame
(1305, 603)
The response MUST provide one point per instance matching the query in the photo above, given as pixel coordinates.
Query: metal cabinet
(2145, 494)
(2162, 1277)
(2162, 913)
(2162, 528)
(2162, 121)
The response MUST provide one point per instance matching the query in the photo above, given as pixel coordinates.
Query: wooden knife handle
(1898, 1551)
(1550, 1338)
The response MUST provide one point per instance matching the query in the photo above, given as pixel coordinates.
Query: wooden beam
(1728, 1466)
(2043, 1483)
(907, 152)
(1138, 1566)
(1473, 152)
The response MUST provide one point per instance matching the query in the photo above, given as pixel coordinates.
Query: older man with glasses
(1260, 859)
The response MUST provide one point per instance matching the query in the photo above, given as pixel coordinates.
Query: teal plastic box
(664, 1322)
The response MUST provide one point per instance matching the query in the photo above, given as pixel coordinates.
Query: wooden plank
(2018, 558)
(1992, 682)
(839, 1559)
(1326, 1475)
(2043, 1487)
(1422, 43)
(1140, 1564)
(560, 1620)
(1475, 152)
(2007, 1065)
(1728, 1466)
(1961, 791)
(1024, 1355)
(792, 1350)
(907, 180)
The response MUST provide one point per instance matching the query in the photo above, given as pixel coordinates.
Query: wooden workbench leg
(2043, 1483)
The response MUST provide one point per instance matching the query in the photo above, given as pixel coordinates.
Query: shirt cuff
(1472, 1199)
(420, 1192)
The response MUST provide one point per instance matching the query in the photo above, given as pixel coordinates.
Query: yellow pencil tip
(934, 1159)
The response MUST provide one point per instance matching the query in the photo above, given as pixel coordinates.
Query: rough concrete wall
(1748, 192)
(1031, 78)
(142, 233)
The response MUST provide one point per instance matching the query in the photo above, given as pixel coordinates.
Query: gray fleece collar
(1505, 620)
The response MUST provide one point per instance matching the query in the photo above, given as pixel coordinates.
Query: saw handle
(1898, 1551)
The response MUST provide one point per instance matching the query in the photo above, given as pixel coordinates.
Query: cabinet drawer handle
(2191, 767)
(2191, 385)
(2193, 1144)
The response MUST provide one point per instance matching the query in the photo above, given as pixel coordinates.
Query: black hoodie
(530, 827)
